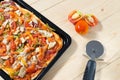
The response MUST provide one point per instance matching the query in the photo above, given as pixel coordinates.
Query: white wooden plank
(31, 1)
(42, 5)
(72, 64)
(110, 72)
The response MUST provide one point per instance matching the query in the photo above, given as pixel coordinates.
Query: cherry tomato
(81, 27)
(91, 20)
(75, 16)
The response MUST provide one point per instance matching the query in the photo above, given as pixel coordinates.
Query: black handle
(90, 70)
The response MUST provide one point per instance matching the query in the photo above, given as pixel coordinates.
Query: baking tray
(66, 38)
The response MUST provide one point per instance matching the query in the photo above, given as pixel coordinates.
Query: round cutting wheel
(94, 49)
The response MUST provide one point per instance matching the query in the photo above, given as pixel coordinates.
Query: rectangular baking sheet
(66, 38)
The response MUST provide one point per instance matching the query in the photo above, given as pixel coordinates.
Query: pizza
(27, 44)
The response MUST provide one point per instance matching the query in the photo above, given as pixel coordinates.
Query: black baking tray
(66, 38)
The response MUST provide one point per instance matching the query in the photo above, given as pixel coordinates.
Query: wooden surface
(72, 63)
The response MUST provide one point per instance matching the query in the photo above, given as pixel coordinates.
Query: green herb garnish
(17, 35)
(21, 48)
(1, 17)
(16, 73)
(37, 44)
(27, 15)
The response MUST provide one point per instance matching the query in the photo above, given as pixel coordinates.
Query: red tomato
(12, 60)
(74, 16)
(26, 23)
(12, 45)
(2, 49)
(81, 27)
(7, 63)
(14, 25)
(91, 20)
(31, 68)
(12, 14)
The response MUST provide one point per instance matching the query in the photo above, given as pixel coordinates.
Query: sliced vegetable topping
(75, 16)
(1, 19)
(27, 15)
(91, 20)
(12, 45)
(82, 22)
(24, 42)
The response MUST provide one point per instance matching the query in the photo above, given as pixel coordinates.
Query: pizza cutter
(94, 49)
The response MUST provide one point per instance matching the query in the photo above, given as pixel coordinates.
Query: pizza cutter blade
(94, 49)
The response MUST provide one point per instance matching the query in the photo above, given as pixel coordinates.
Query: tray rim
(65, 37)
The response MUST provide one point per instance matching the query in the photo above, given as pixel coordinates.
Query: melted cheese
(50, 44)
(35, 20)
(9, 71)
(23, 40)
(7, 9)
(34, 59)
(5, 57)
(46, 33)
(5, 41)
(22, 28)
(37, 50)
(5, 23)
(17, 31)
(18, 12)
(90, 19)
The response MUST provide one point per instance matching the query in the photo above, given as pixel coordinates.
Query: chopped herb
(2, 17)
(7, 26)
(37, 44)
(17, 36)
(18, 22)
(27, 15)
(21, 48)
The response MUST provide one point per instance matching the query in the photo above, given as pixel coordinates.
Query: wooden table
(72, 63)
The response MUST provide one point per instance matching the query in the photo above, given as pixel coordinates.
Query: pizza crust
(57, 46)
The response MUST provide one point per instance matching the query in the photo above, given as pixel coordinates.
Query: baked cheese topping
(27, 45)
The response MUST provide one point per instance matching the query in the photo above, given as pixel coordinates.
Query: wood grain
(72, 64)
